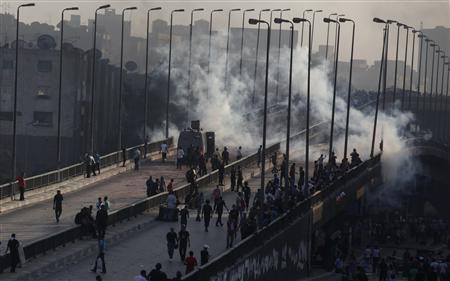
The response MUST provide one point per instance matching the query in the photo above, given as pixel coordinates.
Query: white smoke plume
(223, 109)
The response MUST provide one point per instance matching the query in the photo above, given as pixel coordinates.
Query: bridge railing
(63, 237)
(261, 236)
(66, 173)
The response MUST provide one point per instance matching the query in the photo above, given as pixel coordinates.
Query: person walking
(137, 159)
(301, 178)
(92, 164)
(239, 153)
(247, 194)
(87, 165)
(180, 156)
(225, 155)
(22, 184)
(232, 178)
(97, 162)
(190, 262)
(204, 255)
(101, 220)
(219, 210)
(240, 179)
(172, 242)
(207, 214)
(124, 156)
(258, 162)
(13, 248)
(221, 173)
(184, 242)
(231, 232)
(199, 201)
(57, 205)
(100, 255)
(184, 215)
(164, 150)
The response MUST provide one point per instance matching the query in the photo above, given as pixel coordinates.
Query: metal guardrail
(262, 235)
(52, 177)
(63, 237)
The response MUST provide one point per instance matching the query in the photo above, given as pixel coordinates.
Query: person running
(184, 242)
(100, 255)
(57, 204)
(190, 262)
(207, 214)
(13, 248)
(172, 242)
(219, 210)
(156, 274)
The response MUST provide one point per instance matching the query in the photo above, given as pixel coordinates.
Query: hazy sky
(368, 34)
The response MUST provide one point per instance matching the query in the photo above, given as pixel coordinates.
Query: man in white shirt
(180, 156)
(163, 151)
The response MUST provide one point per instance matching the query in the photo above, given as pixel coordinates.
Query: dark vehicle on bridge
(195, 137)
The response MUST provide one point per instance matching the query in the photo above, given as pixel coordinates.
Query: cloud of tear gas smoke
(221, 109)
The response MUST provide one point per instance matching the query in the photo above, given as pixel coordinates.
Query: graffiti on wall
(285, 255)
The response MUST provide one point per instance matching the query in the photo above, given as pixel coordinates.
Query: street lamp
(168, 74)
(288, 129)
(421, 36)
(412, 67)
(425, 76)
(279, 53)
(256, 56)
(209, 44)
(119, 142)
(263, 160)
(61, 41)
(228, 44)
(404, 67)
(343, 20)
(146, 79)
(327, 20)
(443, 109)
(396, 63)
(438, 52)
(190, 58)
(308, 99)
(384, 48)
(432, 77)
(313, 19)
(242, 39)
(328, 33)
(303, 24)
(13, 156)
(94, 49)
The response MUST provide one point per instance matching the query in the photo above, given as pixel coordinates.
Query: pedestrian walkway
(76, 183)
(37, 220)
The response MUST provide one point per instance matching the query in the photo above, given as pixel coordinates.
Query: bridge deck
(142, 249)
(37, 220)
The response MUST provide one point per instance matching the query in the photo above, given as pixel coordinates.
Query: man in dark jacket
(101, 220)
(13, 247)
